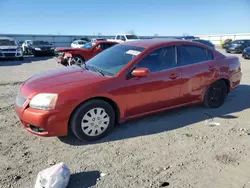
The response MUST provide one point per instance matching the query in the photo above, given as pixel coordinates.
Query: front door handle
(173, 76)
(211, 68)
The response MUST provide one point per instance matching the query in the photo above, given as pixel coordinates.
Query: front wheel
(92, 120)
(76, 59)
(215, 95)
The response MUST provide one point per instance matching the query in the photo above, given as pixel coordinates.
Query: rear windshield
(6, 42)
(89, 45)
(37, 42)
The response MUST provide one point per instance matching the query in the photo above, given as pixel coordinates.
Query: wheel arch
(106, 99)
(77, 54)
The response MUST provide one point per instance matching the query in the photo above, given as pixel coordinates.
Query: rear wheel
(92, 120)
(76, 59)
(216, 95)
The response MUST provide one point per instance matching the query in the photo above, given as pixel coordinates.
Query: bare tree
(156, 35)
(99, 34)
(185, 34)
(132, 32)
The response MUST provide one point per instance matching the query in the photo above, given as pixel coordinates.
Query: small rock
(164, 184)
(219, 170)
(30, 172)
(16, 177)
(8, 168)
(103, 174)
(51, 162)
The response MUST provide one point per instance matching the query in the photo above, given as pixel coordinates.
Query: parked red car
(129, 80)
(70, 56)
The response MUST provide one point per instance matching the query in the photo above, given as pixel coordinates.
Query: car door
(198, 70)
(160, 89)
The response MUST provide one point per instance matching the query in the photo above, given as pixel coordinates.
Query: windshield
(40, 42)
(112, 60)
(81, 42)
(7, 42)
(89, 45)
(132, 37)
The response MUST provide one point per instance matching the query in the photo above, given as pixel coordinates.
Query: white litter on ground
(56, 176)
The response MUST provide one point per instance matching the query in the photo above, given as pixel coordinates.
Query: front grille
(9, 54)
(20, 100)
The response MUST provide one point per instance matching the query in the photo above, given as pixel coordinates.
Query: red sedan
(129, 80)
(70, 56)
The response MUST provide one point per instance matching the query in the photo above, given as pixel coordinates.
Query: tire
(76, 59)
(216, 95)
(81, 122)
(20, 58)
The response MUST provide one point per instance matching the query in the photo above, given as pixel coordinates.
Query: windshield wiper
(84, 66)
(97, 70)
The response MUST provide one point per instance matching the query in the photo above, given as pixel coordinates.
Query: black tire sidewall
(219, 84)
(75, 122)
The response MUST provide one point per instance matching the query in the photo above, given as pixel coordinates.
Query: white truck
(124, 38)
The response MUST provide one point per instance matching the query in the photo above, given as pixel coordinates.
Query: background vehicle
(78, 43)
(124, 38)
(246, 53)
(225, 43)
(38, 47)
(9, 49)
(237, 46)
(206, 42)
(70, 56)
(126, 81)
(97, 39)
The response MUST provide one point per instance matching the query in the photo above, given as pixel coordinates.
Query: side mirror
(140, 72)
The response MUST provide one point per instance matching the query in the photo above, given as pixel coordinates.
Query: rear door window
(118, 37)
(210, 55)
(190, 54)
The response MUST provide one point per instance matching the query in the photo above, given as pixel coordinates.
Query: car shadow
(236, 101)
(83, 179)
(26, 59)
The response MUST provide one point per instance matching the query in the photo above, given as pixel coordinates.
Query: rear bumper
(235, 80)
(53, 123)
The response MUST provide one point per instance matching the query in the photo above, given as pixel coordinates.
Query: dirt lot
(188, 147)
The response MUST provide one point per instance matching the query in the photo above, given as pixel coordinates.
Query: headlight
(52, 48)
(38, 49)
(44, 101)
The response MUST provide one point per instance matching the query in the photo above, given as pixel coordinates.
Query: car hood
(59, 80)
(61, 49)
(247, 49)
(8, 47)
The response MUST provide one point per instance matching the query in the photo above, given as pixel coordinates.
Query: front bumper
(50, 123)
(43, 52)
(10, 55)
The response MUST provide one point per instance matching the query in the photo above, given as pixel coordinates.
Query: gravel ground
(188, 147)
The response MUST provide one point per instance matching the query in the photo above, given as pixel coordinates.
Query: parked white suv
(124, 38)
(78, 43)
(9, 49)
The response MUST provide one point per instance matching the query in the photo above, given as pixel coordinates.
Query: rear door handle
(173, 76)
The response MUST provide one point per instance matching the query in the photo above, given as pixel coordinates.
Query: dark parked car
(237, 46)
(38, 47)
(206, 42)
(226, 43)
(246, 53)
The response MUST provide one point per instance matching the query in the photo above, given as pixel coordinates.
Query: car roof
(151, 43)
(6, 38)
